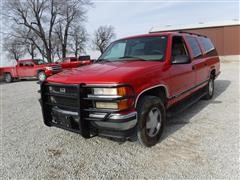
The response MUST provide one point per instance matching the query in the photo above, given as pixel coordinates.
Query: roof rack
(191, 33)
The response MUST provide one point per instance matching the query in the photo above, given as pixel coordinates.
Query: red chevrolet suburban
(30, 68)
(74, 62)
(133, 87)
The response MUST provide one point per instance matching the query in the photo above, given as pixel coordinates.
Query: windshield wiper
(138, 58)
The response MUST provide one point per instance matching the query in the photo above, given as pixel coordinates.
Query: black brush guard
(54, 114)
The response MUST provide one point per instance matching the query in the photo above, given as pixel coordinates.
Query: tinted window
(207, 44)
(39, 61)
(29, 63)
(73, 59)
(192, 41)
(179, 51)
(178, 46)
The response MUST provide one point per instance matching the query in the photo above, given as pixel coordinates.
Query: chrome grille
(63, 90)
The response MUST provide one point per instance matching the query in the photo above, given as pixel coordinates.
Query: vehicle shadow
(177, 122)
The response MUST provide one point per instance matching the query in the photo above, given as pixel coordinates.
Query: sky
(131, 17)
(139, 16)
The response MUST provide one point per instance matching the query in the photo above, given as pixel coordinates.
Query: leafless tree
(71, 14)
(78, 39)
(56, 51)
(27, 38)
(14, 48)
(40, 17)
(103, 37)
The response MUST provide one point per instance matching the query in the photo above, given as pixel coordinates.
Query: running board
(176, 109)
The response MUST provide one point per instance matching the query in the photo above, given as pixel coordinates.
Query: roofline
(146, 35)
(200, 25)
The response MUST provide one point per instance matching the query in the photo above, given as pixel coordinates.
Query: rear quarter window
(193, 43)
(73, 59)
(207, 44)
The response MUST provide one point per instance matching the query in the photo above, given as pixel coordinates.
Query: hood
(106, 72)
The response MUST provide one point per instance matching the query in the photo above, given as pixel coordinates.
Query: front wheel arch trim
(150, 88)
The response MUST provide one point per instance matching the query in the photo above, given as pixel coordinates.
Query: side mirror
(180, 59)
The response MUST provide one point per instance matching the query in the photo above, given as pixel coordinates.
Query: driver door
(182, 76)
(22, 69)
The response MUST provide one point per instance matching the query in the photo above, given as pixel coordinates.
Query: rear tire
(41, 76)
(8, 78)
(151, 120)
(209, 89)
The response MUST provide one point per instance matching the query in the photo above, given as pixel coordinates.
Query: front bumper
(83, 119)
(116, 125)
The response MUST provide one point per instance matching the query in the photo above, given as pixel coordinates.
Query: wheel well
(213, 73)
(160, 92)
(40, 71)
(7, 73)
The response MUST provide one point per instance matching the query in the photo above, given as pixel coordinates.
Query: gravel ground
(201, 143)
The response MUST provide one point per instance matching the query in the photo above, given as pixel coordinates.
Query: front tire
(151, 120)
(41, 76)
(8, 78)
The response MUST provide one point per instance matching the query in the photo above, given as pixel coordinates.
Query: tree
(71, 13)
(103, 37)
(40, 17)
(27, 39)
(14, 48)
(78, 39)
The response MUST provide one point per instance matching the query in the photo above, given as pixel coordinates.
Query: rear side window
(73, 59)
(207, 44)
(29, 63)
(192, 41)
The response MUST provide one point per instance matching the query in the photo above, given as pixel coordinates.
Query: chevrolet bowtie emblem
(62, 90)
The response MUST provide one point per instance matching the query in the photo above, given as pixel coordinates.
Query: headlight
(118, 98)
(105, 91)
(49, 68)
(121, 91)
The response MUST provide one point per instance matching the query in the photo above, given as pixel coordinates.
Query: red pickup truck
(133, 87)
(73, 62)
(1, 73)
(30, 68)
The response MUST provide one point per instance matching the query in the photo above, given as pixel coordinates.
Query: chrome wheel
(41, 76)
(8, 78)
(210, 87)
(153, 123)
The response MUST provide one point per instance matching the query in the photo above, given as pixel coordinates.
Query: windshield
(144, 48)
(39, 61)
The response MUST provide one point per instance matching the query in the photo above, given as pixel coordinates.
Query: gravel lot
(201, 143)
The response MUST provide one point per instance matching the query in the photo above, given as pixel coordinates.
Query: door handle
(193, 67)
